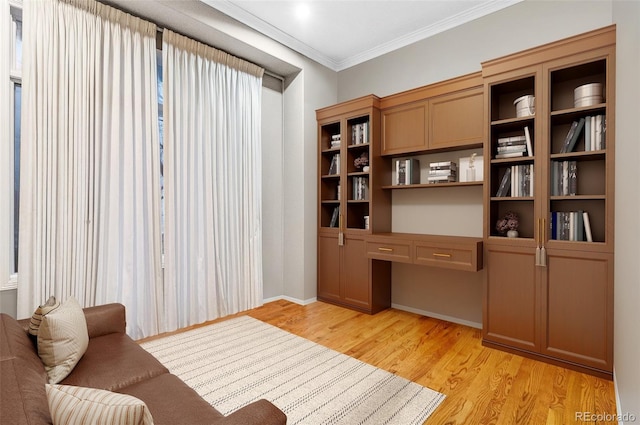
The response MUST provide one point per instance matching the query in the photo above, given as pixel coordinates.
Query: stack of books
(443, 172)
(335, 141)
(511, 147)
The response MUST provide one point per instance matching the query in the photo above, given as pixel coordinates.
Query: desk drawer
(459, 257)
(380, 249)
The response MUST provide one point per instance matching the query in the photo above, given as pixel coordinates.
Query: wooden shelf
(431, 185)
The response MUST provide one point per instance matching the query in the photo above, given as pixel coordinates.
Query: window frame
(11, 11)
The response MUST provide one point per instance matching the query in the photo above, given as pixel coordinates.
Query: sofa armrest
(105, 319)
(261, 412)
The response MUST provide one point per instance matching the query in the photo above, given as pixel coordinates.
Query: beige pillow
(62, 340)
(40, 312)
(70, 405)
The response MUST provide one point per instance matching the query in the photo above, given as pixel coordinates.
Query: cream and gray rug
(238, 361)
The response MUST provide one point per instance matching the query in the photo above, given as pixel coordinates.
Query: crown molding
(236, 12)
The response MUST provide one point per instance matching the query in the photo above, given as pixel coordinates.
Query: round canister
(525, 106)
(587, 95)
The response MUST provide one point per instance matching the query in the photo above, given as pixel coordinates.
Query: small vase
(512, 234)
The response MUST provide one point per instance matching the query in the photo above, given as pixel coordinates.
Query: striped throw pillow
(63, 339)
(71, 405)
(40, 312)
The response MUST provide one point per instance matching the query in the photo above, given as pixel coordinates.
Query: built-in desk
(451, 252)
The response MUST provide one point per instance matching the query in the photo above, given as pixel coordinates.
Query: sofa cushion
(172, 402)
(71, 405)
(36, 319)
(114, 361)
(62, 339)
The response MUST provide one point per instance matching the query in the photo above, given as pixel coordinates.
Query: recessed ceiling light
(303, 11)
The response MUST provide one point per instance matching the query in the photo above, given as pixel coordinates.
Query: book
(505, 184)
(527, 137)
(587, 226)
(360, 133)
(334, 167)
(509, 155)
(516, 148)
(564, 178)
(512, 140)
(334, 217)
(572, 136)
(360, 189)
(443, 165)
(407, 171)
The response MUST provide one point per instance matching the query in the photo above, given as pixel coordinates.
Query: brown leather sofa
(113, 361)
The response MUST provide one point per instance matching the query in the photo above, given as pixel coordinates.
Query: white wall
(626, 15)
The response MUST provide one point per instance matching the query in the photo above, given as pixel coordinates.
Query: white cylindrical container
(588, 95)
(525, 106)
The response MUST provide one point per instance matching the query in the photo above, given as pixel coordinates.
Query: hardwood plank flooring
(483, 386)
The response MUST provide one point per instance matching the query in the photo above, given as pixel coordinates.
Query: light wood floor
(483, 386)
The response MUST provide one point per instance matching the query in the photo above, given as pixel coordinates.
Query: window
(17, 102)
(161, 139)
(15, 81)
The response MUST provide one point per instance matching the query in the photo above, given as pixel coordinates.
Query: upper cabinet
(405, 128)
(442, 116)
(455, 120)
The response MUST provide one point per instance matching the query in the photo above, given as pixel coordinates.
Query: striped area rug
(238, 361)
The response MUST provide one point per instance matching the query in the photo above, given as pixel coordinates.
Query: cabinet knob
(385, 249)
(435, 254)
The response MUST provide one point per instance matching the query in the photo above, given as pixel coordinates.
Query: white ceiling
(343, 33)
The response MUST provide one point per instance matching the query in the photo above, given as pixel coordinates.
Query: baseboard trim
(291, 299)
(438, 316)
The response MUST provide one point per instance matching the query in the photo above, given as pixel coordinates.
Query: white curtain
(89, 224)
(212, 176)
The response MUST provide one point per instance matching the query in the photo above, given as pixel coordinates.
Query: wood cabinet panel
(357, 290)
(577, 303)
(456, 119)
(404, 128)
(511, 298)
(329, 267)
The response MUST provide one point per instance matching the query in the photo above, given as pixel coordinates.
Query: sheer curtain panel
(89, 224)
(212, 153)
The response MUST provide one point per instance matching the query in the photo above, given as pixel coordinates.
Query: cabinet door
(329, 268)
(404, 128)
(357, 289)
(456, 119)
(578, 308)
(511, 314)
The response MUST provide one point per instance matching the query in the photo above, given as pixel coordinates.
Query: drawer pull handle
(435, 254)
(385, 249)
